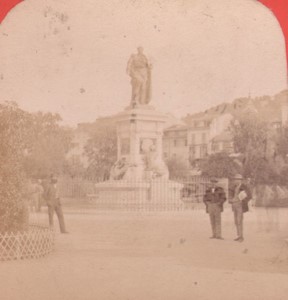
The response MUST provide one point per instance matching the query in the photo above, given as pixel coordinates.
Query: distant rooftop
(268, 108)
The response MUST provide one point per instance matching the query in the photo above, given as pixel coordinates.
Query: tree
(13, 208)
(282, 142)
(219, 165)
(101, 148)
(47, 145)
(176, 167)
(73, 167)
(32, 145)
(251, 137)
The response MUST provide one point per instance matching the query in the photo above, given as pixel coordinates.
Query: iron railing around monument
(179, 194)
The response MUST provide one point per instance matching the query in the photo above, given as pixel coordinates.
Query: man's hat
(237, 176)
(53, 180)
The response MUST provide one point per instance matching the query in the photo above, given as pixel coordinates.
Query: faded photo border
(110, 244)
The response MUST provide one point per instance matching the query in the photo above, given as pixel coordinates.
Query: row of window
(194, 138)
(175, 133)
(184, 142)
(203, 138)
(203, 150)
(198, 124)
(180, 142)
(184, 133)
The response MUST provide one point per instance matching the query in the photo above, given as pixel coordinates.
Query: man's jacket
(214, 195)
(247, 190)
(52, 195)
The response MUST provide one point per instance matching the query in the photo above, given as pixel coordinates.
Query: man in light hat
(241, 194)
(53, 203)
(214, 199)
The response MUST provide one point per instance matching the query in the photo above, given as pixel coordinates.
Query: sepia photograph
(143, 149)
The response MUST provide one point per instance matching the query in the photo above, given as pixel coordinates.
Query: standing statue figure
(153, 161)
(139, 69)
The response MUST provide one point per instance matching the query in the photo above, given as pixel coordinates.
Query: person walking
(240, 197)
(53, 203)
(214, 199)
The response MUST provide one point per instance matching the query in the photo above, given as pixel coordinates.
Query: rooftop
(268, 108)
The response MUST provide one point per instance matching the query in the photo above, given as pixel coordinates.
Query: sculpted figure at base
(119, 169)
(139, 69)
(159, 169)
(153, 162)
(125, 170)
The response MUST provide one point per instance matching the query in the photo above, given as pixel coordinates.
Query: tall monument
(139, 175)
(139, 128)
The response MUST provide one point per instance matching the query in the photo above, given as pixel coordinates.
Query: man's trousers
(58, 209)
(238, 217)
(214, 211)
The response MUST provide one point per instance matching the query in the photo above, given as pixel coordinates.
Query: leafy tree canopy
(101, 148)
(219, 165)
(251, 138)
(47, 145)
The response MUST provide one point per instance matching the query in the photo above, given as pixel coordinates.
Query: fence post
(18, 252)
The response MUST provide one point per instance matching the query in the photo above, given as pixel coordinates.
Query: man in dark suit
(214, 199)
(53, 203)
(241, 195)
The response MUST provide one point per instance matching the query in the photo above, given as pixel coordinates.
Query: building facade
(209, 132)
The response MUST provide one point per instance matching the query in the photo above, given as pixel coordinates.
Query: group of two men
(214, 199)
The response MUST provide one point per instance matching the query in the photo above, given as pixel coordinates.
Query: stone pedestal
(139, 132)
(140, 176)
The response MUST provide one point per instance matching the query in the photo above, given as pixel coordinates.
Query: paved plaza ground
(151, 256)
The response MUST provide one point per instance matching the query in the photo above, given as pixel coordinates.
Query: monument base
(124, 194)
(139, 107)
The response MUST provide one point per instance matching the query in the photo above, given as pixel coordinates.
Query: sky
(70, 56)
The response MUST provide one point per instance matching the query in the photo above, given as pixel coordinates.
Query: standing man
(53, 202)
(241, 194)
(214, 199)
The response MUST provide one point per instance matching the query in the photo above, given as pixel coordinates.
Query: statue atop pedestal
(139, 69)
(139, 129)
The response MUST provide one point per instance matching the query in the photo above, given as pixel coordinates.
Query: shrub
(13, 207)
